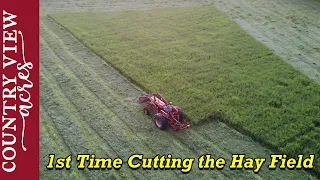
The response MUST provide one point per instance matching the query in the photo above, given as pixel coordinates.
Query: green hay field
(204, 62)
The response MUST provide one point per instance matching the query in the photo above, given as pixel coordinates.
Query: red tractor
(163, 112)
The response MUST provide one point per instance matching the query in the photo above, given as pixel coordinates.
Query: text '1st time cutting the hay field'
(185, 165)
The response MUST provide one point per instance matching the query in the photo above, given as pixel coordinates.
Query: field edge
(209, 117)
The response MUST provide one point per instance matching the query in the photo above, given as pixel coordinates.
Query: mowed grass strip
(204, 62)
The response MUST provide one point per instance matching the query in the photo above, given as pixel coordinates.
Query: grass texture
(204, 62)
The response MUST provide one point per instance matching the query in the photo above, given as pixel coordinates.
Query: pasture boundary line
(211, 116)
(93, 6)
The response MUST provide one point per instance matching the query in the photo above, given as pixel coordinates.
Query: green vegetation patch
(204, 62)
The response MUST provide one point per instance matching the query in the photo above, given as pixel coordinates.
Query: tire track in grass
(305, 12)
(50, 141)
(274, 41)
(139, 126)
(96, 140)
(50, 128)
(119, 139)
(288, 26)
(309, 42)
(296, 43)
(74, 130)
(57, 125)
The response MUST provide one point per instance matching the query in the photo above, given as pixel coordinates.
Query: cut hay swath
(204, 62)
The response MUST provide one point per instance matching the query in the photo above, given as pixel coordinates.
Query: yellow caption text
(204, 162)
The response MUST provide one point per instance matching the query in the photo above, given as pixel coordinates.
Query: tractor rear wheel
(146, 111)
(181, 115)
(160, 121)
